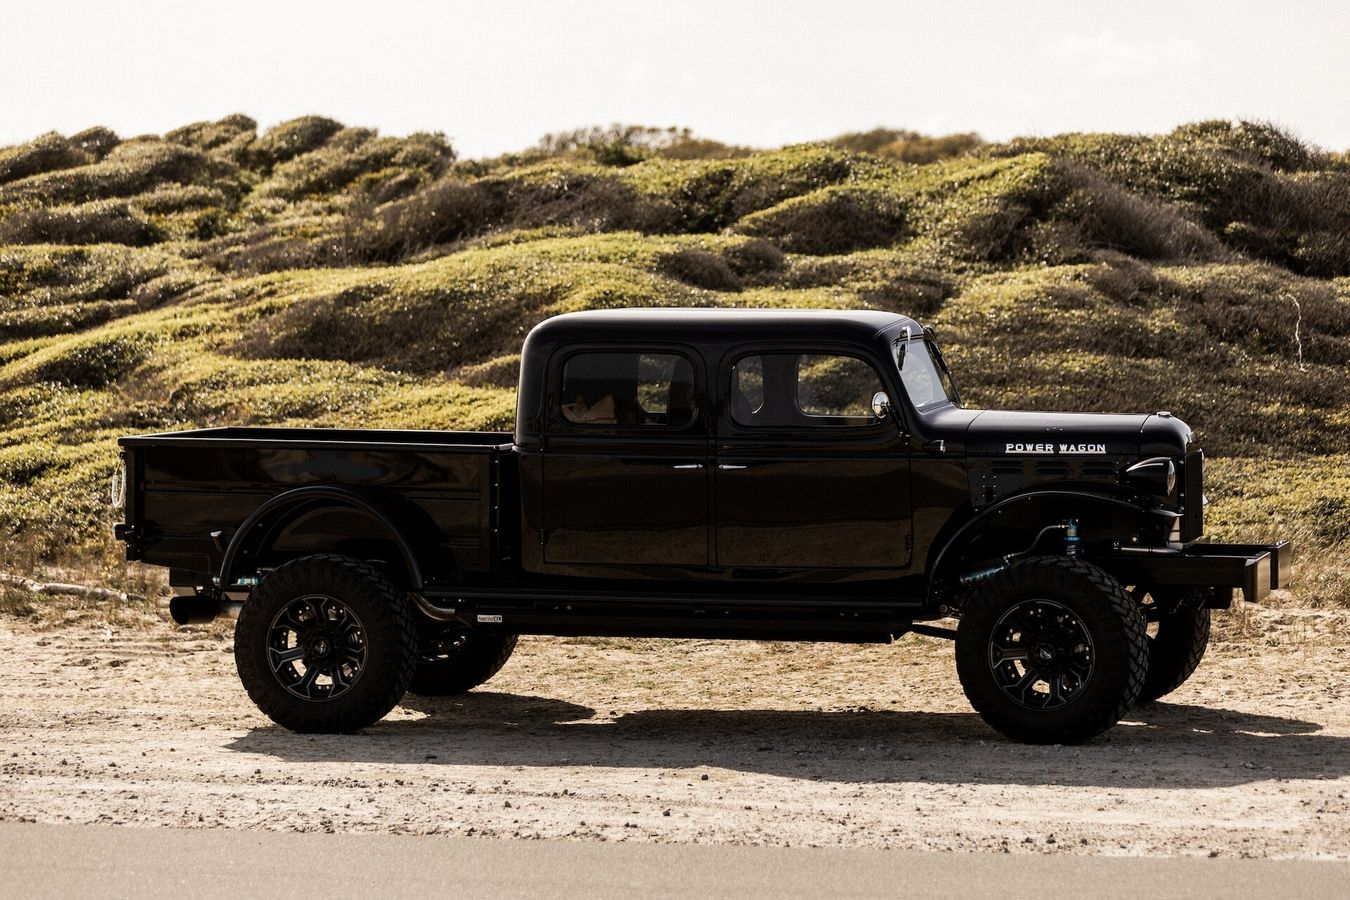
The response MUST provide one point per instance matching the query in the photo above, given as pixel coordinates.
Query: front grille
(1193, 496)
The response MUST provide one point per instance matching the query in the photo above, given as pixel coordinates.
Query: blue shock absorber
(1073, 543)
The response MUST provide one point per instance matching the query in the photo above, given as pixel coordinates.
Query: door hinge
(909, 543)
(543, 536)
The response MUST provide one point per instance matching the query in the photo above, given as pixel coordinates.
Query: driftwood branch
(71, 590)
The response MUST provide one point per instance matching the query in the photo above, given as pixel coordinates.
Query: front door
(626, 468)
(807, 477)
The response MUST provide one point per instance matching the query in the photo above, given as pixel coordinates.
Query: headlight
(1156, 476)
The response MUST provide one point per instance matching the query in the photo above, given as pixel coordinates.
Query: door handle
(689, 466)
(726, 466)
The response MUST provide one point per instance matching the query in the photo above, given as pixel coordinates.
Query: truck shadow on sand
(1164, 745)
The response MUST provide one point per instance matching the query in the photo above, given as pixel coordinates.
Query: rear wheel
(1179, 642)
(325, 644)
(1051, 651)
(454, 660)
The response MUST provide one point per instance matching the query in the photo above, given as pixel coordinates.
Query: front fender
(1011, 524)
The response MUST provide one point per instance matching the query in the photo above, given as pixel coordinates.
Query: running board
(458, 595)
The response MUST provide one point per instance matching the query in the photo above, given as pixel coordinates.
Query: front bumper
(1254, 569)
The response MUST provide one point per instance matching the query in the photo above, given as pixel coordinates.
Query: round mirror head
(881, 405)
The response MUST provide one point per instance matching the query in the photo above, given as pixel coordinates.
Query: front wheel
(325, 644)
(1051, 651)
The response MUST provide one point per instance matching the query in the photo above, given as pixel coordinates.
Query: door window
(628, 389)
(803, 389)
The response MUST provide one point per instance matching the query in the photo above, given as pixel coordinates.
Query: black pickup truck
(703, 473)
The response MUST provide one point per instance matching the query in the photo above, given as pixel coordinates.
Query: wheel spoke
(1012, 653)
(1024, 684)
(306, 684)
(289, 655)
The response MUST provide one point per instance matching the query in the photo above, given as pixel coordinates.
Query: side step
(608, 613)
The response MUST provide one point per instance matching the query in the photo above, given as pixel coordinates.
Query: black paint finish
(715, 524)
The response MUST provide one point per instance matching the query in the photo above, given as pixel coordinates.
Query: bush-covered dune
(321, 274)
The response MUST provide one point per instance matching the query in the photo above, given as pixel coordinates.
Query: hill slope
(327, 275)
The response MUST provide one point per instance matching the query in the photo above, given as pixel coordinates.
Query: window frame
(558, 366)
(800, 350)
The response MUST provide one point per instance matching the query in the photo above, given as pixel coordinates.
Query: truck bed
(189, 492)
(368, 438)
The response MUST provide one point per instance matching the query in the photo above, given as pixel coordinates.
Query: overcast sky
(494, 76)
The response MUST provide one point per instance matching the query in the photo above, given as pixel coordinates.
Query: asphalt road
(91, 861)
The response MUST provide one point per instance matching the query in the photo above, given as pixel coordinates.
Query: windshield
(926, 380)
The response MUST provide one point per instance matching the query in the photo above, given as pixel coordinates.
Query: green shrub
(132, 167)
(211, 135)
(290, 139)
(699, 267)
(44, 154)
(100, 222)
(836, 219)
(87, 362)
(626, 145)
(336, 165)
(908, 146)
(98, 141)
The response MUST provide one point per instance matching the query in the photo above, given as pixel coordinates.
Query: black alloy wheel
(1040, 654)
(316, 647)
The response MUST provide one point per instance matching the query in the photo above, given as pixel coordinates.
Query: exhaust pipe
(197, 609)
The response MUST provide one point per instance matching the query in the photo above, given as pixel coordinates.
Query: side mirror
(881, 405)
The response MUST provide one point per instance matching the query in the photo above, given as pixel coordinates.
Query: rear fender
(281, 515)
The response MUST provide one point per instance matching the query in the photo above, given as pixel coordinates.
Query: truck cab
(726, 446)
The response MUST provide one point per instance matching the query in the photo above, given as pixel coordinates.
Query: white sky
(495, 76)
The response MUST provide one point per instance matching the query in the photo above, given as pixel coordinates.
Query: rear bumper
(1254, 569)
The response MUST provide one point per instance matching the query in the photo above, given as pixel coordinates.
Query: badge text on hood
(1082, 449)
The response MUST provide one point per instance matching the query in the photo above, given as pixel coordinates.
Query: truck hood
(1017, 433)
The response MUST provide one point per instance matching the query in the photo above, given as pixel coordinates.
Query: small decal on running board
(491, 620)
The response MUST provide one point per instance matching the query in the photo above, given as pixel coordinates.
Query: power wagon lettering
(1099, 449)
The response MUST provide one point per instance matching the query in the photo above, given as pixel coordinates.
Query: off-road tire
(481, 657)
(1175, 651)
(1100, 609)
(388, 631)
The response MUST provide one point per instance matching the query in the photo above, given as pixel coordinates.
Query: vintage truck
(794, 475)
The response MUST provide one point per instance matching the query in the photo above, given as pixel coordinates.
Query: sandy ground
(693, 741)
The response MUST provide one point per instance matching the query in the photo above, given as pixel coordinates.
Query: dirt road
(706, 742)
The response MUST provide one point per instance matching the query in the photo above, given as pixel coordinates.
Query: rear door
(807, 477)
(626, 476)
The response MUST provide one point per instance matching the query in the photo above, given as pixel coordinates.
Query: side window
(803, 389)
(628, 388)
